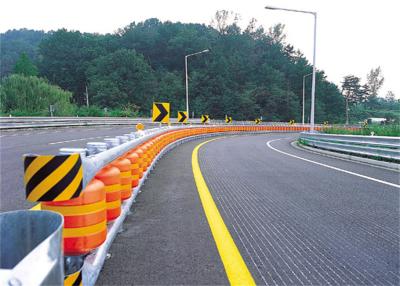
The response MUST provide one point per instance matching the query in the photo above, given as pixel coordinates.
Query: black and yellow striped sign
(74, 279)
(205, 118)
(257, 121)
(52, 177)
(182, 116)
(291, 122)
(161, 112)
(228, 119)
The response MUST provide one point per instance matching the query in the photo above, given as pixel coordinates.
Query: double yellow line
(235, 267)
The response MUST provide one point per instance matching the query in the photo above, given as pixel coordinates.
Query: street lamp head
(205, 51)
(271, 8)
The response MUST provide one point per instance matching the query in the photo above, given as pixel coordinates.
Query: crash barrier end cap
(31, 252)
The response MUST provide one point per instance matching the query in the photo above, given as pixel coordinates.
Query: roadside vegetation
(248, 73)
(376, 130)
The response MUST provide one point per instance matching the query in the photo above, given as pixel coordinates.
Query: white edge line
(67, 141)
(331, 167)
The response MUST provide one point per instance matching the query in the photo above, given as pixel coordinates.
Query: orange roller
(133, 157)
(147, 153)
(142, 161)
(150, 151)
(124, 166)
(85, 225)
(110, 176)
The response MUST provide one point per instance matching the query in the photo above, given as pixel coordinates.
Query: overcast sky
(353, 36)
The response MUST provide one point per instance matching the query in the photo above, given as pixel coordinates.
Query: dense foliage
(22, 95)
(24, 66)
(247, 73)
(15, 42)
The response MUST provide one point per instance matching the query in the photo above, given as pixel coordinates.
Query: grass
(378, 130)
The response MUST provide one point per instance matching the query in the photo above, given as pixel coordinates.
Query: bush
(379, 130)
(30, 95)
(91, 111)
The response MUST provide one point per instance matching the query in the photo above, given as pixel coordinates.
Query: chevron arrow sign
(205, 118)
(182, 117)
(161, 112)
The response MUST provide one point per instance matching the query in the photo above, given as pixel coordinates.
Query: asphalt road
(13, 144)
(297, 218)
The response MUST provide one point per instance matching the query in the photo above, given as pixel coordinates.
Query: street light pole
(314, 52)
(304, 84)
(187, 80)
(187, 86)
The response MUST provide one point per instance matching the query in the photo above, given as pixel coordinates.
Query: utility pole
(187, 79)
(314, 53)
(87, 97)
(304, 84)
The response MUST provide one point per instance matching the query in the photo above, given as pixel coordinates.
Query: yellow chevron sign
(228, 119)
(161, 112)
(291, 122)
(182, 117)
(257, 121)
(52, 177)
(205, 118)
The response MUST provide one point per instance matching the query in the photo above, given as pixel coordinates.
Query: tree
(353, 92)
(390, 97)
(24, 66)
(66, 55)
(223, 19)
(14, 43)
(277, 33)
(120, 78)
(375, 81)
(32, 95)
(247, 74)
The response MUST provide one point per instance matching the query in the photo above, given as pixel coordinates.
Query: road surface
(13, 144)
(297, 218)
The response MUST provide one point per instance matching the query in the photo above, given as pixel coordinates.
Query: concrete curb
(376, 163)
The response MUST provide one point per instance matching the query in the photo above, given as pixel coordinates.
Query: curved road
(296, 217)
(15, 143)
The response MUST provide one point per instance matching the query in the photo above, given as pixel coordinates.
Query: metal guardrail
(31, 248)
(7, 123)
(372, 146)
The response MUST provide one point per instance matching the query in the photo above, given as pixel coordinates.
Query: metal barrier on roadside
(85, 185)
(373, 146)
(30, 248)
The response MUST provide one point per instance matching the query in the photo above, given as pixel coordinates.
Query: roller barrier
(94, 188)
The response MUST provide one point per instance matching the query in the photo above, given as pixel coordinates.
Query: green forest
(248, 73)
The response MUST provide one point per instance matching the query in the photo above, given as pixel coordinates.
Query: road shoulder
(167, 240)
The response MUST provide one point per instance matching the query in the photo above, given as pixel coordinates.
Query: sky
(353, 36)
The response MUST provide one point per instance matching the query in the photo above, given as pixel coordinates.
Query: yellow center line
(235, 267)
